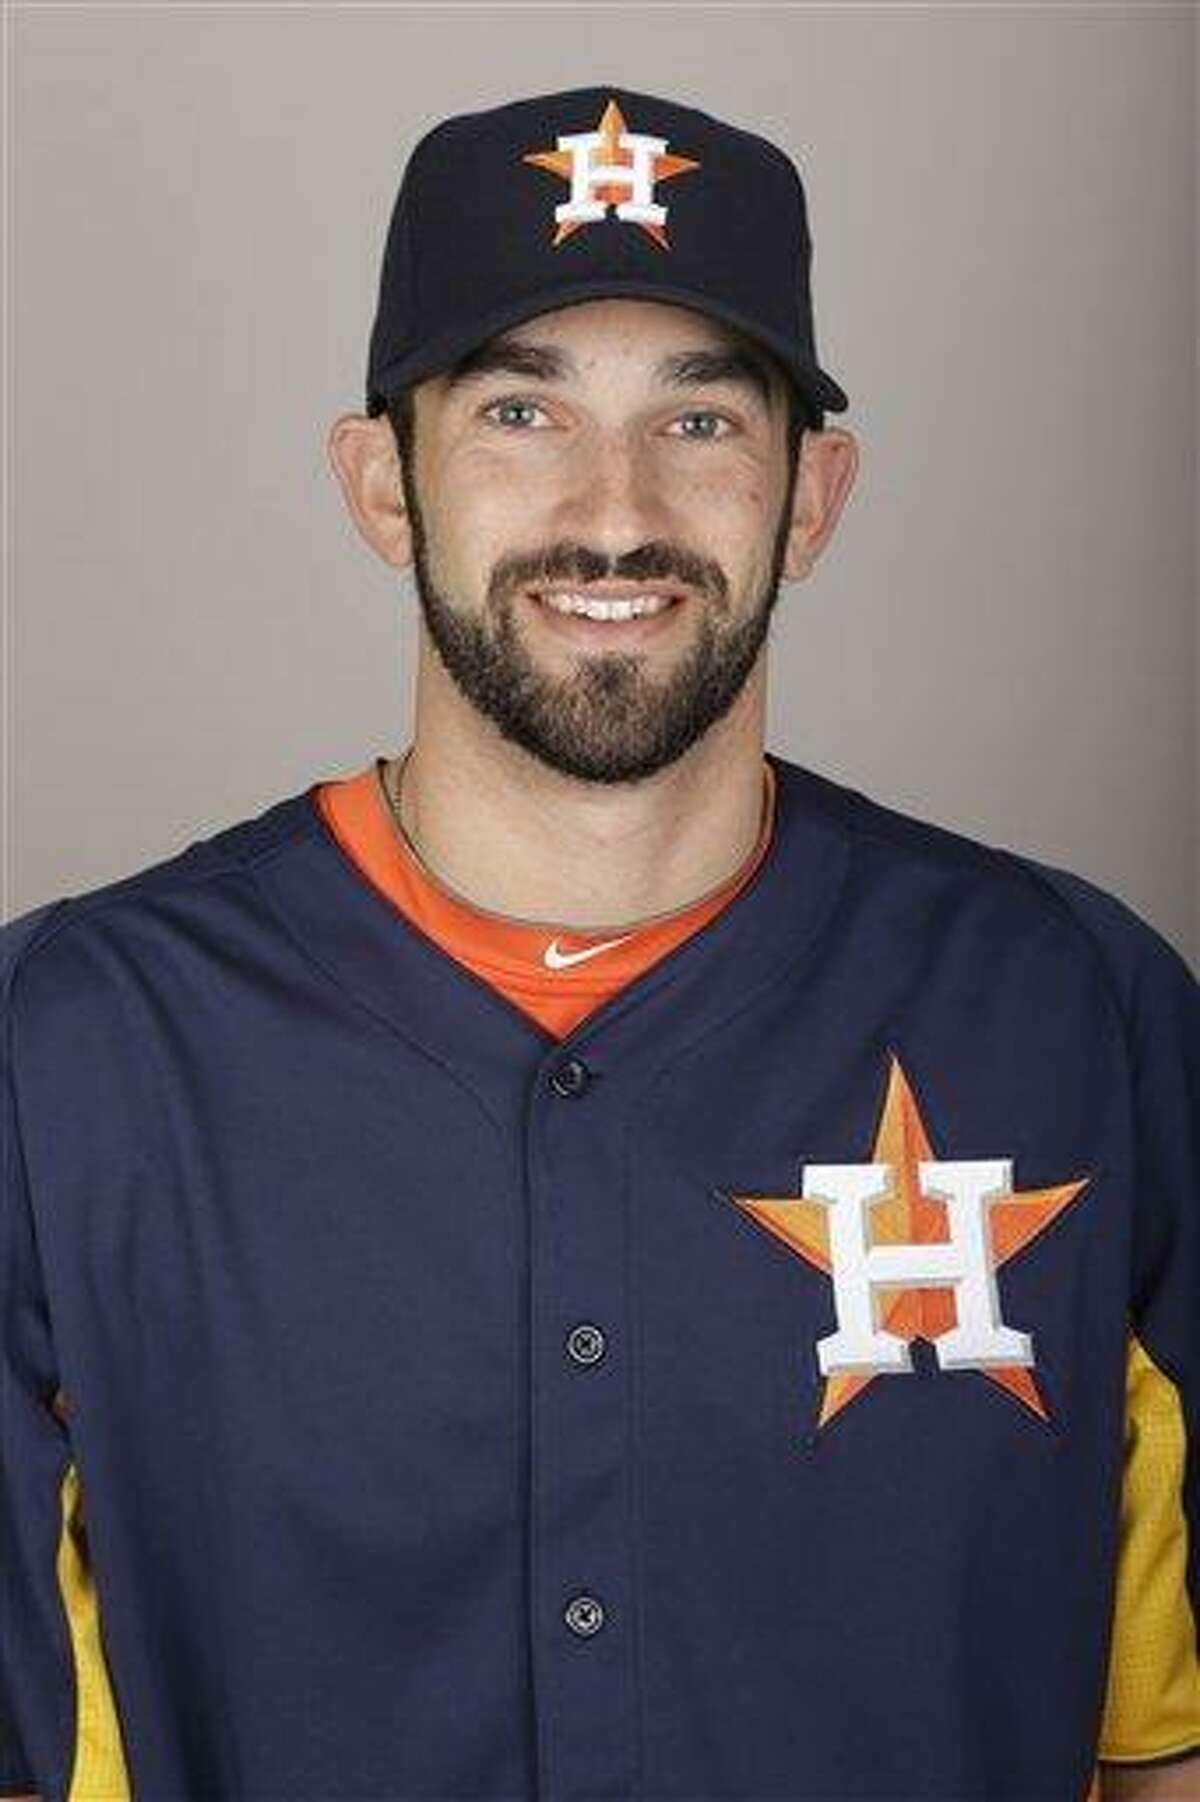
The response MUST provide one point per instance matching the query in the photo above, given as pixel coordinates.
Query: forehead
(668, 343)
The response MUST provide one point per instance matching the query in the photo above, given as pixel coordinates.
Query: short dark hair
(802, 415)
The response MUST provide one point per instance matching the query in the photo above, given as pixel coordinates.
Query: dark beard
(605, 721)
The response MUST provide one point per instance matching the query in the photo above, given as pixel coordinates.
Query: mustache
(655, 561)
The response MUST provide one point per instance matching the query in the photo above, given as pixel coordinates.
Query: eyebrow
(547, 362)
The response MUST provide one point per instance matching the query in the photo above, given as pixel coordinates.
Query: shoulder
(1019, 892)
(55, 935)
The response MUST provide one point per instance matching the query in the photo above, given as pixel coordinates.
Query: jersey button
(584, 1615)
(571, 1077)
(585, 1343)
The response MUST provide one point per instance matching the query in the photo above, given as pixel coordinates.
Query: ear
(828, 466)
(366, 462)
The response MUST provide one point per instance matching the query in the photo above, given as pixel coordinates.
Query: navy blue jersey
(725, 1401)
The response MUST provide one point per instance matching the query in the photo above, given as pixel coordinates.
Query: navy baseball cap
(526, 207)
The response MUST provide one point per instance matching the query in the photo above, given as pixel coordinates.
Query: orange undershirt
(511, 954)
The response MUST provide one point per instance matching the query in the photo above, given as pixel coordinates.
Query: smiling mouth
(607, 609)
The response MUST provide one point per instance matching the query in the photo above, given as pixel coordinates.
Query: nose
(612, 498)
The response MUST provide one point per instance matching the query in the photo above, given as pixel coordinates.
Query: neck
(512, 837)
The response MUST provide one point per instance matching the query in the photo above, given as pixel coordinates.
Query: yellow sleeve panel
(1152, 1707)
(99, 1773)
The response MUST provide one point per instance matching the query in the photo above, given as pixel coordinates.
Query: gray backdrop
(1003, 635)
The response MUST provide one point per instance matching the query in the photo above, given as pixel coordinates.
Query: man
(586, 1259)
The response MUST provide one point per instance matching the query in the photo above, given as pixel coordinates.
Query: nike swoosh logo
(554, 959)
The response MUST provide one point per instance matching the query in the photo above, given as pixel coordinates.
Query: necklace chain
(393, 799)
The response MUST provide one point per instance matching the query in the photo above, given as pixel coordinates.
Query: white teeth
(634, 607)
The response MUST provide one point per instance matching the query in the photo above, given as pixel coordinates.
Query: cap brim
(439, 352)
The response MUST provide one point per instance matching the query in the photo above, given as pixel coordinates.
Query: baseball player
(584, 1261)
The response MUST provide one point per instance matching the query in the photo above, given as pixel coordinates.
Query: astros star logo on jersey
(912, 1245)
(611, 166)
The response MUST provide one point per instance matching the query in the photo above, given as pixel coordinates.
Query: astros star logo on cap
(611, 166)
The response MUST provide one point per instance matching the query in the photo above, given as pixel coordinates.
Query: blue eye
(505, 412)
(508, 404)
(703, 413)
